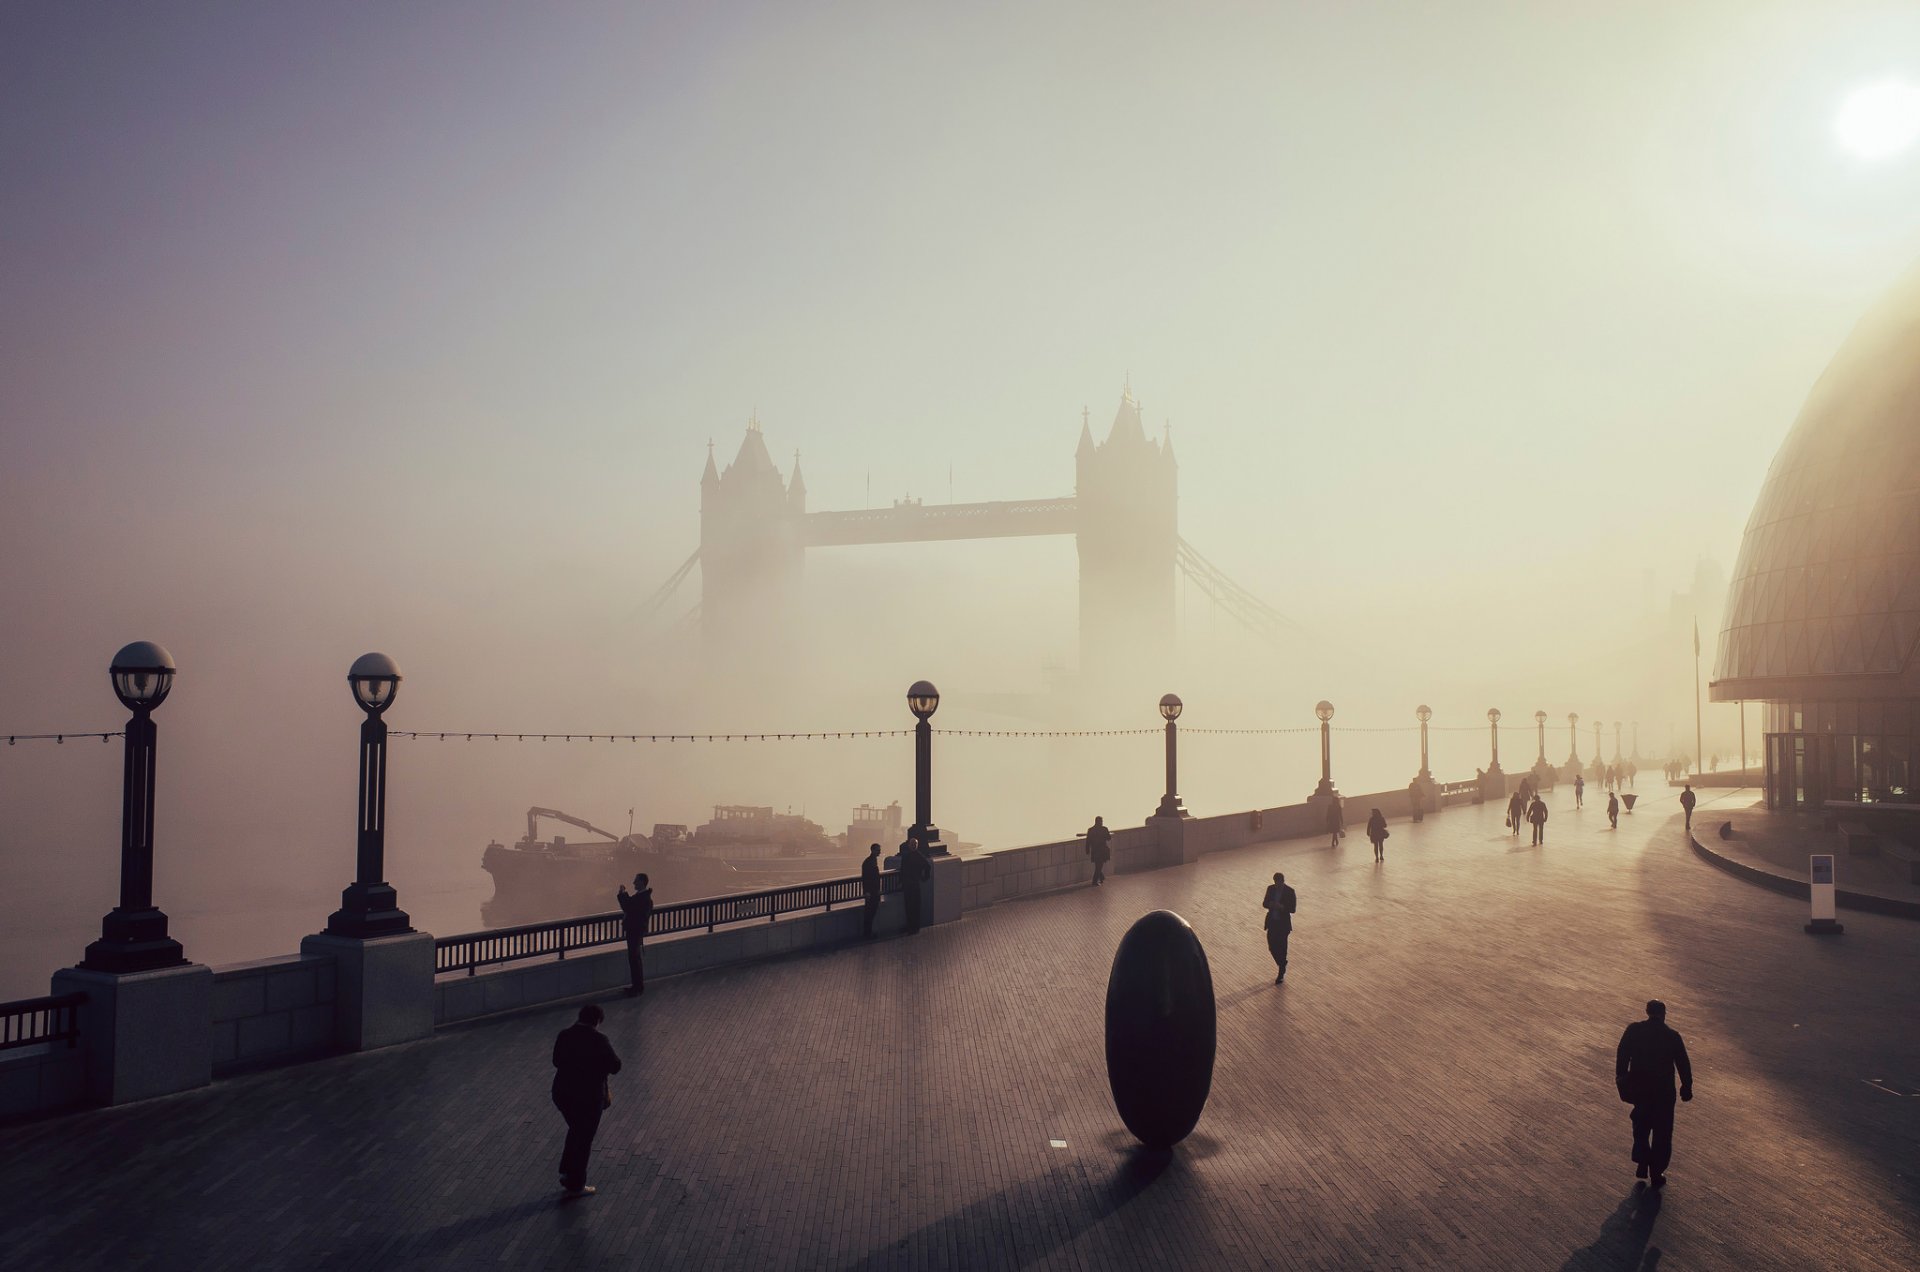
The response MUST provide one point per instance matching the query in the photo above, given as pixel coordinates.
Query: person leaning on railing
(869, 891)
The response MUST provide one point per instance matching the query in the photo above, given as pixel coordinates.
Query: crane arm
(535, 814)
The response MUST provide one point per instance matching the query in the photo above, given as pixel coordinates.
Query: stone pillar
(143, 1033)
(943, 899)
(1171, 847)
(383, 987)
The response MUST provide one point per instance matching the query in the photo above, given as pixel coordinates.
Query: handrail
(55, 1018)
(556, 938)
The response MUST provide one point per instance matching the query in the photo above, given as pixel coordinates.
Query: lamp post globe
(923, 700)
(375, 679)
(1324, 710)
(369, 907)
(142, 674)
(1170, 708)
(1423, 713)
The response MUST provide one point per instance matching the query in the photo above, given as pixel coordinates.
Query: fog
(1473, 328)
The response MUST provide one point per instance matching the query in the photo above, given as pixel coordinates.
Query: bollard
(1820, 893)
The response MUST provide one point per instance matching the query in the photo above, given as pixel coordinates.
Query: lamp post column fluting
(1540, 723)
(1616, 742)
(1573, 741)
(133, 937)
(369, 907)
(1324, 711)
(1424, 713)
(1599, 747)
(1170, 708)
(923, 700)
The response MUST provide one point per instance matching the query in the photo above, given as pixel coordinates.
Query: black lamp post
(1424, 713)
(1616, 741)
(1599, 748)
(1540, 722)
(923, 699)
(133, 938)
(1324, 710)
(1573, 745)
(1493, 724)
(1170, 707)
(369, 907)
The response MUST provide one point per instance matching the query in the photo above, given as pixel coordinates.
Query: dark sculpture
(1160, 1029)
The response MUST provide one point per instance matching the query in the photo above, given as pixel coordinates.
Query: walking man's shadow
(1623, 1243)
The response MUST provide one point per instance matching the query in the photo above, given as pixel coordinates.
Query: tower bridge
(755, 529)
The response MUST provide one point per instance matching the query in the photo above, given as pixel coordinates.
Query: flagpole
(1699, 751)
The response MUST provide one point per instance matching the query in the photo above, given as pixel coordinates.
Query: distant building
(870, 825)
(1823, 615)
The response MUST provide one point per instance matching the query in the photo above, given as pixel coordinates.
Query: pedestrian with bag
(1377, 832)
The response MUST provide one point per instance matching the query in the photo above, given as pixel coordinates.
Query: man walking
(583, 1059)
(1579, 791)
(636, 909)
(869, 891)
(914, 870)
(1099, 839)
(1537, 814)
(1613, 810)
(1280, 904)
(1516, 812)
(1687, 800)
(1643, 1069)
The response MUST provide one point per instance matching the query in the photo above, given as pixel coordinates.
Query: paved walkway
(1431, 1088)
(1779, 843)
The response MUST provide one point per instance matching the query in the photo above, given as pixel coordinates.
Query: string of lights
(60, 738)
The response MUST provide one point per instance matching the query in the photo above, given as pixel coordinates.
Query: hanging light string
(461, 735)
(60, 738)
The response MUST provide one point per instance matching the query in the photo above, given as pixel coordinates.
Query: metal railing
(1459, 792)
(558, 938)
(36, 1020)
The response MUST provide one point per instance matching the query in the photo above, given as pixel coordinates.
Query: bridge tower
(750, 545)
(1126, 499)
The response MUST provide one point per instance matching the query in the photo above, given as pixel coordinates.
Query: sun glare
(1880, 120)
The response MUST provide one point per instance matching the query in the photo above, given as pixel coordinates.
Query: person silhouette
(1537, 814)
(1336, 822)
(636, 909)
(869, 891)
(1643, 1067)
(583, 1060)
(1377, 832)
(1579, 791)
(1613, 810)
(1099, 839)
(1280, 903)
(1516, 813)
(1687, 800)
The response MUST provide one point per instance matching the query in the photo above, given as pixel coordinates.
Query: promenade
(1432, 1087)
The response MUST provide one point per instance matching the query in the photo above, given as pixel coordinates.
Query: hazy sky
(334, 327)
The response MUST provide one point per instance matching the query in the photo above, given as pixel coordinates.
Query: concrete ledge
(45, 1079)
(1871, 902)
(271, 1011)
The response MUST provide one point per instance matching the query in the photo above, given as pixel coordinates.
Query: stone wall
(272, 1011)
(517, 985)
(41, 1079)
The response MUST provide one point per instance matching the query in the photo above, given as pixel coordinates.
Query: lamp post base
(929, 837)
(1171, 806)
(369, 910)
(133, 941)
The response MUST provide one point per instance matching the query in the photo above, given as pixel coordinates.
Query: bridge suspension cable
(1239, 604)
(664, 593)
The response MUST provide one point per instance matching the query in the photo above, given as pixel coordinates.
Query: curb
(1869, 901)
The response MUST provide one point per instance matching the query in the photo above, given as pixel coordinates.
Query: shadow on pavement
(1623, 1242)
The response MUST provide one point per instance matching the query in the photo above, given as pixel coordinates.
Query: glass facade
(1864, 750)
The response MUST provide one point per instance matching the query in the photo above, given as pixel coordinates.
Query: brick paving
(1779, 843)
(1431, 1088)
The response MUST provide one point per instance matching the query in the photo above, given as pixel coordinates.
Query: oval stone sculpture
(1160, 1029)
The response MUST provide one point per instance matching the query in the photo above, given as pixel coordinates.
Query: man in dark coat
(1579, 791)
(1643, 1067)
(869, 891)
(1099, 839)
(583, 1059)
(915, 869)
(636, 909)
(1613, 810)
(1516, 812)
(1537, 814)
(1280, 904)
(1687, 800)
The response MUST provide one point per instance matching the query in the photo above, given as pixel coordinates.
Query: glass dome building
(1823, 614)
